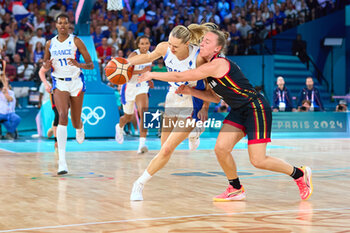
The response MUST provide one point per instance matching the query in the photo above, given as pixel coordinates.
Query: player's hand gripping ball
(118, 70)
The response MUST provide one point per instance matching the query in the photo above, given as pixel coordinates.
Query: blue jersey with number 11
(60, 52)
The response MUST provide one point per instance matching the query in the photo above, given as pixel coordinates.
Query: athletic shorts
(180, 106)
(254, 119)
(129, 93)
(73, 85)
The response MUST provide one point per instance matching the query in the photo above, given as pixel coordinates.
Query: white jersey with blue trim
(60, 52)
(134, 78)
(173, 64)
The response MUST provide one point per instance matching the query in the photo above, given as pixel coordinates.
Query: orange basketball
(118, 70)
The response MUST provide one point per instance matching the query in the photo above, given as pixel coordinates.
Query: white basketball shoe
(136, 193)
(193, 138)
(80, 135)
(119, 136)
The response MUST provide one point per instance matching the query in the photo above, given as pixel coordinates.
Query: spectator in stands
(56, 9)
(299, 49)
(134, 24)
(342, 106)
(282, 100)
(147, 32)
(129, 42)
(265, 13)
(38, 53)
(38, 20)
(37, 38)
(271, 25)
(8, 117)
(21, 41)
(28, 70)
(11, 41)
(259, 33)
(11, 71)
(120, 29)
(235, 36)
(274, 5)
(216, 18)
(223, 8)
(114, 40)
(279, 17)
(291, 15)
(97, 36)
(314, 8)
(7, 21)
(311, 94)
(303, 12)
(107, 29)
(246, 34)
(120, 53)
(305, 106)
(104, 50)
(17, 62)
(126, 20)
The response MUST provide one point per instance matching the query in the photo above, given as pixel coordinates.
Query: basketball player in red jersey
(250, 114)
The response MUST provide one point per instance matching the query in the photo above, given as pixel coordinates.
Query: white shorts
(129, 93)
(72, 85)
(180, 106)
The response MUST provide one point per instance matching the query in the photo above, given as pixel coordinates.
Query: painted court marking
(7, 150)
(173, 217)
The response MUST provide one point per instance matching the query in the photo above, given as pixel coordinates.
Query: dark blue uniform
(250, 111)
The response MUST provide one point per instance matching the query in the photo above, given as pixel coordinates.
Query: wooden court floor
(94, 197)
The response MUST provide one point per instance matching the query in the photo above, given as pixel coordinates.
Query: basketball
(118, 70)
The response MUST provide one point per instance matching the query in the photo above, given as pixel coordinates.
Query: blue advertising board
(310, 122)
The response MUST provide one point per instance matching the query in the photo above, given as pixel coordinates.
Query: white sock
(142, 141)
(122, 128)
(81, 129)
(144, 177)
(61, 142)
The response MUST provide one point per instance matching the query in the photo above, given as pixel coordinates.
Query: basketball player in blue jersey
(180, 53)
(132, 92)
(250, 114)
(62, 55)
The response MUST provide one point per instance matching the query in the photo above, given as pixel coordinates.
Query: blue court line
(130, 144)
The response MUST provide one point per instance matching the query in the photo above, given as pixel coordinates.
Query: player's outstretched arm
(216, 68)
(158, 52)
(144, 70)
(206, 95)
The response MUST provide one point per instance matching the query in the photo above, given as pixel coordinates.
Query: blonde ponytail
(193, 33)
(222, 39)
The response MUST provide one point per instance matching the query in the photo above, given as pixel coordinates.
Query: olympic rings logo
(92, 117)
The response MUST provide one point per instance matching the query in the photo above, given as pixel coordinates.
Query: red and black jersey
(234, 88)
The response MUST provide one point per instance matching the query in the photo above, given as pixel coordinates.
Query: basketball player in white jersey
(180, 54)
(62, 55)
(133, 92)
